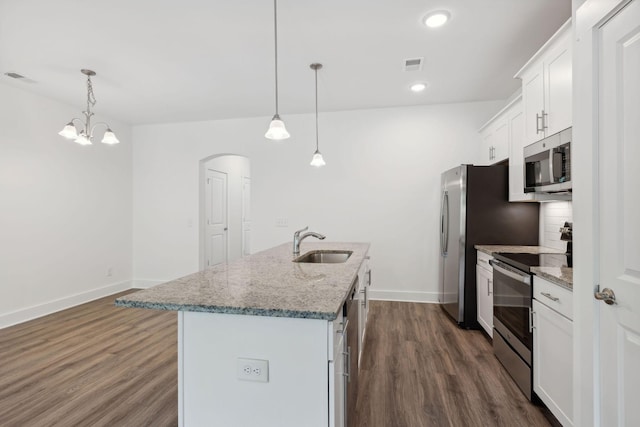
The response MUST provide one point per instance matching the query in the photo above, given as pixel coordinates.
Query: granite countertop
(562, 276)
(491, 249)
(267, 283)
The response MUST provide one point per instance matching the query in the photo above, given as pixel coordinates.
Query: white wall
(381, 185)
(237, 169)
(553, 216)
(65, 210)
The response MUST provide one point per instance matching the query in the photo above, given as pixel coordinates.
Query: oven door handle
(503, 269)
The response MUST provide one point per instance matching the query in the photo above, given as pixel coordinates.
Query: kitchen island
(260, 339)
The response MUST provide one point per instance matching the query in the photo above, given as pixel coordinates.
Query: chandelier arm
(83, 127)
(105, 124)
(76, 119)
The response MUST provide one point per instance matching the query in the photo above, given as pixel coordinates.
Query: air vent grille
(14, 75)
(413, 64)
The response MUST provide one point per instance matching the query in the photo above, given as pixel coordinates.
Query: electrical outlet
(253, 370)
(282, 222)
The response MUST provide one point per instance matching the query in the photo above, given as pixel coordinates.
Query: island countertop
(267, 283)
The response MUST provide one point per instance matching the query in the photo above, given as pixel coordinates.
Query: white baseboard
(33, 312)
(405, 296)
(145, 283)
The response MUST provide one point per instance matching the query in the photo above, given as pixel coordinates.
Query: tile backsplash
(552, 217)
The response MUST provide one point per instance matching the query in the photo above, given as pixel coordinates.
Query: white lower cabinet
(553, 355)
(337, 402)
(364, 283)
(484, 292)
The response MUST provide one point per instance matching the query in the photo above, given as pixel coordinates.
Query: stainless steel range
(512, 322)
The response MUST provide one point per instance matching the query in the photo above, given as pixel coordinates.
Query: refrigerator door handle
(442, 225)
(446, 229)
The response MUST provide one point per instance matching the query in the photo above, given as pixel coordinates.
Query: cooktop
(524, 262)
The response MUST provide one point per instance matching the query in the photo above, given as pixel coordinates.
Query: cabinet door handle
(531, 326)
(544, 120)
(538, 120)
(347, 369)
(548, 295)
(344, 328)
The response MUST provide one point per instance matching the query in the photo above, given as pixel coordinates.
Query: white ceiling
(168, 61)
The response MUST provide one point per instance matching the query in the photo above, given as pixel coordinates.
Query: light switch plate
(253, 370)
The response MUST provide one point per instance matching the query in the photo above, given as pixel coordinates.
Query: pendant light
(276, 131)
(317, 159)
(70, 131)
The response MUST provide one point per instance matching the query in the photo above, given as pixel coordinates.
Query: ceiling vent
(413, 64)
(14, 75)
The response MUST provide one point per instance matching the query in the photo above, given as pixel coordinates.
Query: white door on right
(246, 215)
(216, 211)
(619, 209)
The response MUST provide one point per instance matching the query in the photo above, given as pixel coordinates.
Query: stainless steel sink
(324, 257)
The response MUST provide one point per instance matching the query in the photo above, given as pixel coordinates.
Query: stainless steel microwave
(547, 164)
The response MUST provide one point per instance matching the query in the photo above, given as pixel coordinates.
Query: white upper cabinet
(503, 138)
(495, 138)
(546, 88)
(516, 156)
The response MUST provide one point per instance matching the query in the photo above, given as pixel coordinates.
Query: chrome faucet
(297, 238)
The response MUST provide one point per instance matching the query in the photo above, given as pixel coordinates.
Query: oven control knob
(606, 295)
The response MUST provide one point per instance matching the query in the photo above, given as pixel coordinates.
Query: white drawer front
(553, 296)
(483, 260)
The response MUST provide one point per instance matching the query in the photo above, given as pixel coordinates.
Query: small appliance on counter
(567, 236)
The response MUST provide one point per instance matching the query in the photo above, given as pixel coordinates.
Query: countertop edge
(122, 302)
(525, 249)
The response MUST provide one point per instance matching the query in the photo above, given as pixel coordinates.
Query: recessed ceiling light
(436, 19)
(418, 87)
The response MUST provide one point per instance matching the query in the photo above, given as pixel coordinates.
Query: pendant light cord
(275, 31)
(316, 70)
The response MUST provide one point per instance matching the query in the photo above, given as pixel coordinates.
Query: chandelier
(84, 137)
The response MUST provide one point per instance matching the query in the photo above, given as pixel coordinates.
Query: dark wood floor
(99, 365)
(420, 369)
(91, 365)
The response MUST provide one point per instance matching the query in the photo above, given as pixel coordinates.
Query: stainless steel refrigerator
(475, 210)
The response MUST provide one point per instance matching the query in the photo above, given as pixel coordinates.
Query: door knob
(606, 295)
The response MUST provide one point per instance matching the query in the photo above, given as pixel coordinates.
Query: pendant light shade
(277, 130)
(82, 139)
(110, 138)
(317, 160)
(69, 131)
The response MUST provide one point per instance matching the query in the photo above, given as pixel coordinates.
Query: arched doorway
(225, 208)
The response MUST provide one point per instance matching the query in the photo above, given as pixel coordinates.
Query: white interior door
(619, 204)
(216, 212)
(246, 215)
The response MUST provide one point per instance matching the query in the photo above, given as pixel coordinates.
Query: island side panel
(210, 391)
